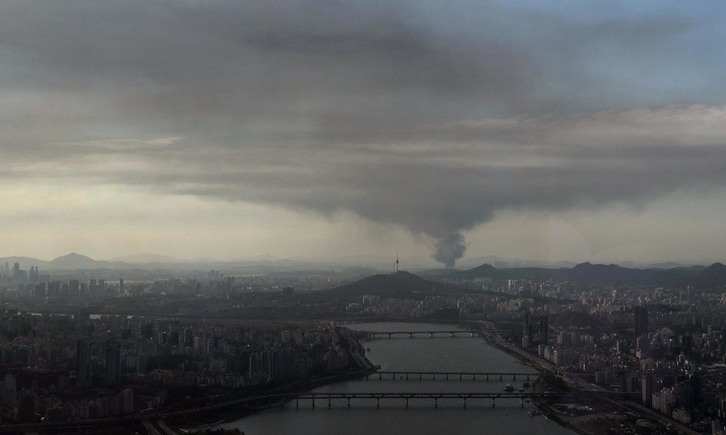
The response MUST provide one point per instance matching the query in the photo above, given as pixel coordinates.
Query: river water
(421, 418)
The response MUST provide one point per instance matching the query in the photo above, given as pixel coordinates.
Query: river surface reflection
(442, 353)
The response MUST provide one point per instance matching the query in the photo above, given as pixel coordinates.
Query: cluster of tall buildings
(535, 329)
(16, 274)
(66, 367)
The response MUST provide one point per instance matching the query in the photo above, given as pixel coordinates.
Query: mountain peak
(402, 274)
(73, 261)
(585, 265)
(394, 285)
(73, 255)
(714, 276)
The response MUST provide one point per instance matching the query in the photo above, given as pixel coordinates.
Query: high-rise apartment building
(641, 321)
(83, 362)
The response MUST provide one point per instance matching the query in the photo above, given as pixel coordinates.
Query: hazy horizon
(378, 263)
(573, 131)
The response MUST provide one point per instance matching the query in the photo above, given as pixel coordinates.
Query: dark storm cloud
(381, 109)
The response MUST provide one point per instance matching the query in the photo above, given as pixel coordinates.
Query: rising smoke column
(449, 248)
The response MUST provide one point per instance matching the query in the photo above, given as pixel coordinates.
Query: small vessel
(508, 388)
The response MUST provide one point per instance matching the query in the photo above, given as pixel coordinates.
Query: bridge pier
(348, 402)
(464, 402)
(410, 335)
(297, 403)
(460, 376)
(514, 377)
(420, 377)
(378, 402)
(493, 403)
(313, 402)
(329, 402)
(473, 377)
(447, 376)
(436, 402)
(406, 402)
(431, 335)
(521, 402)
(389, 335)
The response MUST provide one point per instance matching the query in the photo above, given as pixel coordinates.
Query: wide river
(417, 354)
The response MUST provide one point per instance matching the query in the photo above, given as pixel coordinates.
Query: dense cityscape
(280, 201)
(84, 351)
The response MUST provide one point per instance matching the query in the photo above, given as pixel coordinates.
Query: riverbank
(215, 414)
(542, 384)
(600, 416)
(220, 413)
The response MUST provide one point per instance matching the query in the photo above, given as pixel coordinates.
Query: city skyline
(321, 130)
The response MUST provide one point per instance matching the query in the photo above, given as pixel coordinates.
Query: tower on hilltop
(396, 262)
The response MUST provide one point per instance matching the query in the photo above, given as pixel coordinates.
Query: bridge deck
(430, 332)
(419, 395)
(434, 397)
(440, 375)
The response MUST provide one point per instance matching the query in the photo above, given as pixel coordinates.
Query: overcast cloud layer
(433, 116)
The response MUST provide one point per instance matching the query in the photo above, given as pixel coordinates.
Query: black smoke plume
(450, 248)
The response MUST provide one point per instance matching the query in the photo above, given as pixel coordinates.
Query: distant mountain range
(70, 261)
(146, 261)
(711, 277)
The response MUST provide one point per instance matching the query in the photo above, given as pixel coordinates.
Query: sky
(343, 130)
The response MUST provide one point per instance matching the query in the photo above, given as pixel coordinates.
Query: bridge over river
(438, 375)
(425, 333)
(432, 398)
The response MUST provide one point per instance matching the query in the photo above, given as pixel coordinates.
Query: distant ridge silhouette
(711, 277)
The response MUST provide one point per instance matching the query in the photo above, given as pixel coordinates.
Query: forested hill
(707, 278)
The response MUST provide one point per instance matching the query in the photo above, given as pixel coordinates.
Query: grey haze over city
(550, 131)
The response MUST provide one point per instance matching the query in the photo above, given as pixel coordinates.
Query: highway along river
(420, 354)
